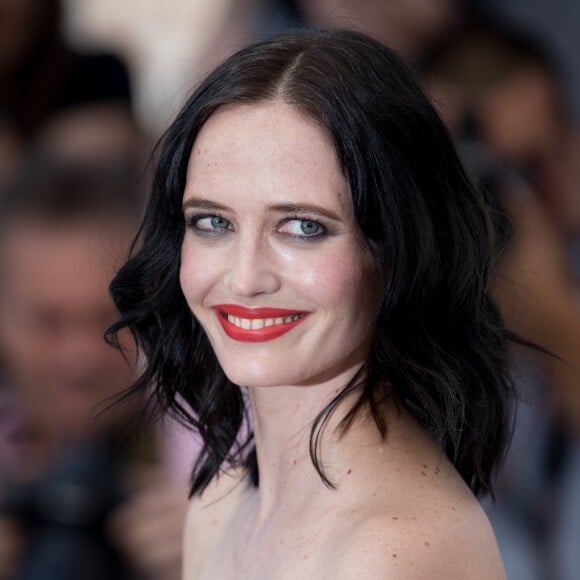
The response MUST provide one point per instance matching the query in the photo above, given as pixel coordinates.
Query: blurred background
(86, 89)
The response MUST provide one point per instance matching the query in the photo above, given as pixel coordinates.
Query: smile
(256, 324)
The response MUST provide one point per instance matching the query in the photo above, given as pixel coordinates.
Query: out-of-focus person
(50, 91)
(164, 44)
(559, 182)
(67, 508)
(554, 24)
(500, 93)
(42, 76)
(410, 27)
(490, 82)
(498, 89)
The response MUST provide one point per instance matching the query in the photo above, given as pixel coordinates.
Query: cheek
(343, 281)
(197, 274)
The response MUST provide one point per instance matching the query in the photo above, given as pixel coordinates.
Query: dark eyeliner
(192, 221)
(304, 238)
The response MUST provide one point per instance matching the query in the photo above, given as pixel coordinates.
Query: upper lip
(253, 313)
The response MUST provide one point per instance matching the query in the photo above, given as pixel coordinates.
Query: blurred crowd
(85, 90)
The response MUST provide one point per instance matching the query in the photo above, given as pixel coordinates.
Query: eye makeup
(302, 228)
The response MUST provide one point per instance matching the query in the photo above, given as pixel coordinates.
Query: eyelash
(193, 221)
(324, 230)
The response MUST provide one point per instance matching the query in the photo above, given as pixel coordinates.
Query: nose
(252, 270)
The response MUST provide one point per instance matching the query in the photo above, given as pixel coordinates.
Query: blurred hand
(539, 301)
(148, 528)
(533, 285)
(11, 546)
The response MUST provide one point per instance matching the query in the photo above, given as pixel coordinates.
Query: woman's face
(271, 263)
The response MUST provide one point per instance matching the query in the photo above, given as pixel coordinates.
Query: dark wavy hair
(440, 346)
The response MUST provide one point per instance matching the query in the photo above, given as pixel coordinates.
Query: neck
(282, 420)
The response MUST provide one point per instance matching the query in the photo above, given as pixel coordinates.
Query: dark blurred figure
(409, 26)
(48, 88)
(63, 230)
(500, 86)
(501, 96)
(555, 24)
(501, 93)
(71, 503)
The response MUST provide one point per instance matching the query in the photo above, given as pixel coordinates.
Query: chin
(259, 375)
(255, 379)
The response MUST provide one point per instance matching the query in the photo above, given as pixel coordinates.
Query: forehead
(266, 152)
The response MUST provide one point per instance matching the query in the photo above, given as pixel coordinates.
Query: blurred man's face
(54, 309)
(521, 116)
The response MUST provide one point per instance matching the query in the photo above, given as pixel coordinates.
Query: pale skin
(399, 510)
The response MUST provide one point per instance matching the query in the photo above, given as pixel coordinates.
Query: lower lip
(257, 335)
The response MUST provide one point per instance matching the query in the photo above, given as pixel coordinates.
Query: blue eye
(303, 228)
(310, 228)
(219, 223)
(210, 223)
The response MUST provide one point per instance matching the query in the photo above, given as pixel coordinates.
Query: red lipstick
(257, 324)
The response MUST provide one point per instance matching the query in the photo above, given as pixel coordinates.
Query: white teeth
(259, 323)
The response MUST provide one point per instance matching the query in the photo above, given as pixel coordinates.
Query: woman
(312, 238)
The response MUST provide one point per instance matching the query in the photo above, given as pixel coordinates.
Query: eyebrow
(299, 208)
(197, 203)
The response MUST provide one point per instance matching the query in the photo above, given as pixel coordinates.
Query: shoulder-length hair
(440, 345)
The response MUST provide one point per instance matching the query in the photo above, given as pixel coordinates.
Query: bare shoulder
(442, 541)
(207, 516)
(428, 526)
